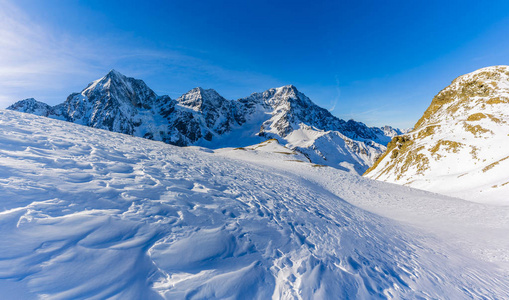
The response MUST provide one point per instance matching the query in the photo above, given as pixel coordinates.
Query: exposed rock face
(289, 108)
(203, 117)
(460, 146)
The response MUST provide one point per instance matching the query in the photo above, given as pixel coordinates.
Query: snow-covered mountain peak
(286, 98)
(289, 90)
(30, 105)
(115, 74)
(198, 99)
(459, 146)
(492, 72)
(121, 88)
(486, 87)
(106, 81)
(28, 102)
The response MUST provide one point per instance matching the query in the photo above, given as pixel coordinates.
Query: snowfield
(87, 213)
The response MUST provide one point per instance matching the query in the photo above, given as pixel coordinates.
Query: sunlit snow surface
(87, 213)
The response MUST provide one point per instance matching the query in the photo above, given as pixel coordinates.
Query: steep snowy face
(276, 108)
(197, 116)
(113, 103)
(459, 146)
(215, 110)
(289, 108)
(119, 88)
(199, 99)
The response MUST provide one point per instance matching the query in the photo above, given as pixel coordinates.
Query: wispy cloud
(33, 59)
(36, 61)
(335, 100)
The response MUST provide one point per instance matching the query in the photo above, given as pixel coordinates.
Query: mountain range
(202, 117)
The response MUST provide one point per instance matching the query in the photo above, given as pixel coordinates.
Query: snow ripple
(93, 214)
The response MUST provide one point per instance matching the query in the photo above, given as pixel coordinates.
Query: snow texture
(94, 214)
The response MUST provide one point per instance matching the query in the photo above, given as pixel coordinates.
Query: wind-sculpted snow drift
(203, 117)
(88, 213)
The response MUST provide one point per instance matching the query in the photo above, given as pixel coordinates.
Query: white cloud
(32, 59)
(335, 100)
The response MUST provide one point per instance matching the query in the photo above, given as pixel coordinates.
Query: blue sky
(379, 62)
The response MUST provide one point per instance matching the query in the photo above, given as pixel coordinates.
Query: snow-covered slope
(203, 117)
(460, 146)
(88, 213)
(332, 148)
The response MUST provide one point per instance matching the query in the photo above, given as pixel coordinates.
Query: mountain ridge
(203, 117)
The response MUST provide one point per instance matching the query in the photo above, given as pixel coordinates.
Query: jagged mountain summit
(460, 145)
(203, 117)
